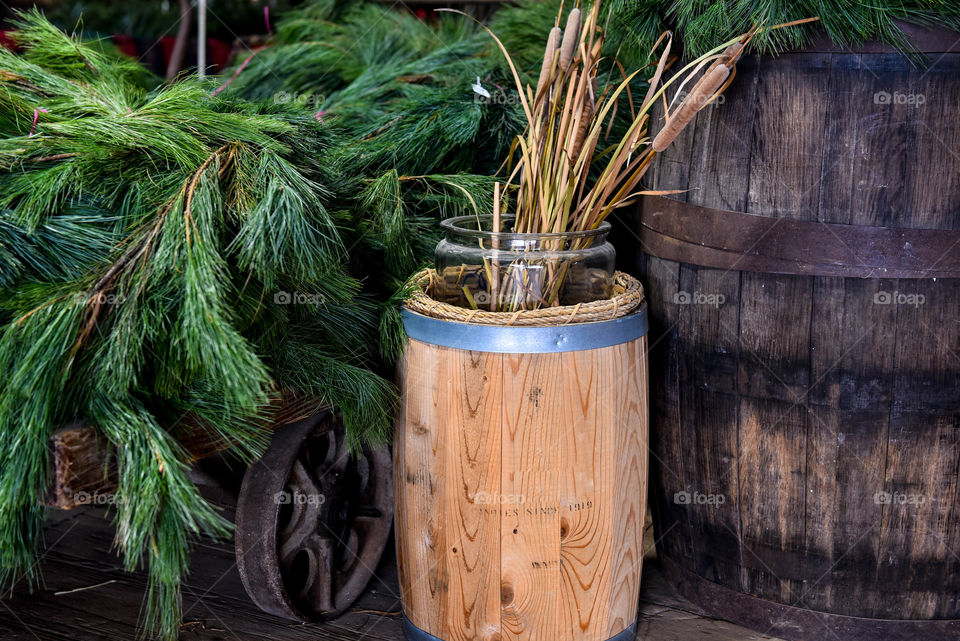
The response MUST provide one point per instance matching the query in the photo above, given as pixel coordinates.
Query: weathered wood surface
(812, 404)
(521, 484)
(83, 463)
(87, 596)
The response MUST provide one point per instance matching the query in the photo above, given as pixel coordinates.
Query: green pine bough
(414, 99)
(149, 238)
(422, 142)
(700, 23)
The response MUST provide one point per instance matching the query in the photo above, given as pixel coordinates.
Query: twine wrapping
(627, 296)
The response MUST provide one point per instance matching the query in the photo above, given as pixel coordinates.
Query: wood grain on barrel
(772, 432)
(630, 470)
(821, 402)
(711, 455)
(472, 403)
(668, 447)
(710, 315)
(771, 497)
(668, 456)
(419, 470)
(591, 410)
(920, 527)
(851, 367)
(523, 492)
(529, 528)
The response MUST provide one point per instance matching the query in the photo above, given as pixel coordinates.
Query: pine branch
(168, 306)
(699, 24)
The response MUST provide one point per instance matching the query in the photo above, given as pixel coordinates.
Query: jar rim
(454, 225)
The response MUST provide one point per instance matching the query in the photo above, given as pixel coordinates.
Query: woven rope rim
(627, 296)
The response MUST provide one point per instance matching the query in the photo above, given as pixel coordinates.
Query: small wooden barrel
(520, 458)
(804, 298)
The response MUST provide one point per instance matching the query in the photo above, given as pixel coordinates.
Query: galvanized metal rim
(413, 633)
(505, 339)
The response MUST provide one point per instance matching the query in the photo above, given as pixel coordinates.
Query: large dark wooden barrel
(804, 298)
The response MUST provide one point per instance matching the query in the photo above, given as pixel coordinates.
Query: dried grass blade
(699, 95)
(661, 66)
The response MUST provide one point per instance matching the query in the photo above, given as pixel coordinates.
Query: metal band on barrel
(730, 240)
(413, 633)
(525, 340)
(795, 622)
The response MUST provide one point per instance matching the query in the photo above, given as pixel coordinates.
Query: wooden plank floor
(88, 597)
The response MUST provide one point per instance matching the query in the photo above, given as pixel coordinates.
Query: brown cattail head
(728, 58)
(586, 120)
(732, 53)
(571, 38)
(701, 93)
(553, 43)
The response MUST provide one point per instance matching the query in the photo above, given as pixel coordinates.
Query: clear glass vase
(493, 270)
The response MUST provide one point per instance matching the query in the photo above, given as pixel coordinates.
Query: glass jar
(481, 268)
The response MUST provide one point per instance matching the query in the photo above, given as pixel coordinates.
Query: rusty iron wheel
(312, 520)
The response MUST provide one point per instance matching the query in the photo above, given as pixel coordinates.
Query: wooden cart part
(312, 519)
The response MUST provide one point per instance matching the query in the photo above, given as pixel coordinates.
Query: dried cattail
(553, 43)
(553, 186)
(732, 53)
(571, 38)
(728, 58)
(698, 96)
(586, 120)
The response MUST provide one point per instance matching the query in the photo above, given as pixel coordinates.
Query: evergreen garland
(148, 242)
(401, 91)
(701, 23)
